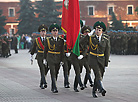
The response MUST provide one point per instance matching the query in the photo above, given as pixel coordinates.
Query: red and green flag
(72, 24)
(64, 17)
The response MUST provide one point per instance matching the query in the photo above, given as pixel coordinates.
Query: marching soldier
(67, 64)
(54, 53)
(99, 51)
(39, 46)
(75, 62)
(84, 53)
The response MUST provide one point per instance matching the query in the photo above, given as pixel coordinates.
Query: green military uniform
(66, 65)
(75, 62)
(5, 47)
(8, 40)
(99, 52)
(14, 43)
(39, 46)
(84, 61)
(54, 53)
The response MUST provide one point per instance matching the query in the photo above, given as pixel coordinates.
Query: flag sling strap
(40, 43)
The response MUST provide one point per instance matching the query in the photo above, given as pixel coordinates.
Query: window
(11, 12)
(110, 10)
(90, 10)
(130, 9)
(11, 30)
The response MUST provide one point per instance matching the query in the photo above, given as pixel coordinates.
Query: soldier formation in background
(124, 42)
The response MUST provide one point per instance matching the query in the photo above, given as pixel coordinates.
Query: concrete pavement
(19, 81)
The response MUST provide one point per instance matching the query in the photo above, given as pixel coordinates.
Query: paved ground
(19, 81)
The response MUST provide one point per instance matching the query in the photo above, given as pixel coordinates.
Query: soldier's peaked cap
(54, 26)
(99, 24)
(42, 27)
(86, 28)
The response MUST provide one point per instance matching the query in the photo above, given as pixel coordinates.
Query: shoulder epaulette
(105, 35)
(60, 36)
(105, 38)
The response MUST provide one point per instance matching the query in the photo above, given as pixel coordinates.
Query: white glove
(106, 67)
(44, 62)
(68, 54)
(91, 33)
(61, 63)
(80, 57)
(64, 40)
(31, 57)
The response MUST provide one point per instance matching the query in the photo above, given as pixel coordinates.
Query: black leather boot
(101, 89)
(66, 82)
(54, 87)
(85, 80)
(76, 84)
(80, 83)
(94, 90)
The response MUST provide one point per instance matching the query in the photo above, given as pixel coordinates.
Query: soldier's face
(54, 32)
(43, 33)
(98, 31)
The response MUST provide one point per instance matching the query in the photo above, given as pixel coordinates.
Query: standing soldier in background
(14, 43)
(39, 46)
(5, 46)
(54, 53)
(8, 40)
(99, 51)
(84, 61)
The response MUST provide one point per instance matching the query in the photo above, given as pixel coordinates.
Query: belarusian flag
(64, 16)
(73, 28)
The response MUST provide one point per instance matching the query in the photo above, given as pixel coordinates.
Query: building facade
(94, 10)
(90, 12)
(10, 10)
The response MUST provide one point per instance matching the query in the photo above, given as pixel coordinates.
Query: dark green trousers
(43, 69)
(54, 70)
